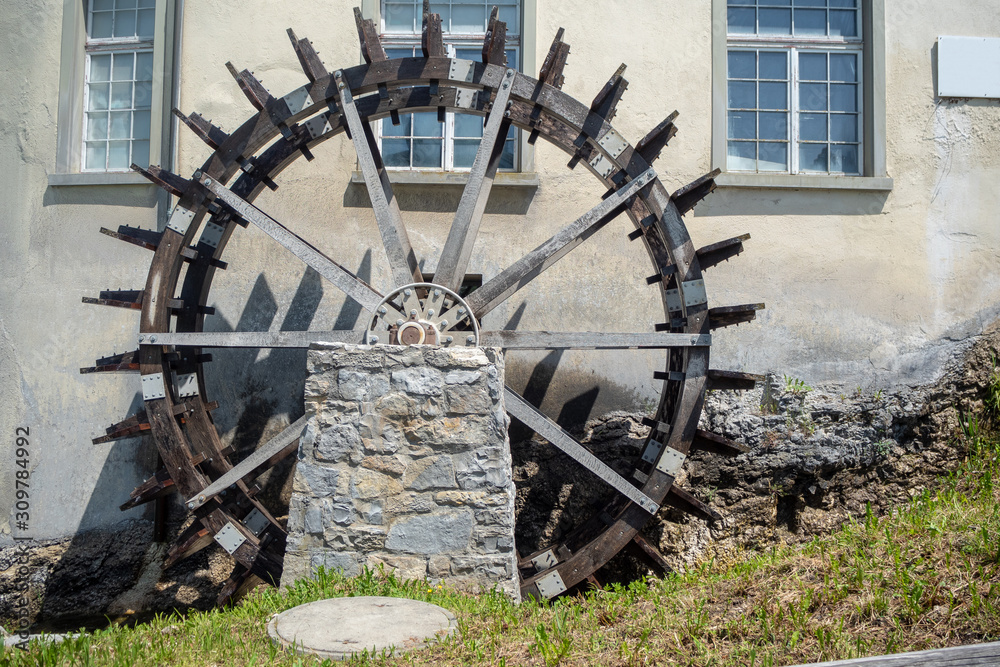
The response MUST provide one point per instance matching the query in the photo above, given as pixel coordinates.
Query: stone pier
(405, 464)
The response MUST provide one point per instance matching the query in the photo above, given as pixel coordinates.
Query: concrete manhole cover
(340, 627)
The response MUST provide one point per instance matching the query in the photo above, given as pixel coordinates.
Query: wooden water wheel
(217, 202)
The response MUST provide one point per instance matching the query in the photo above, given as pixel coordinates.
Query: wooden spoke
(390, 224)
(349, 283)
(458, 248)
(552, 340)
(252, 339)
(519, 274)
(548, 429)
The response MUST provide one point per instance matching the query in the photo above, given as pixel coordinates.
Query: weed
(796, 386)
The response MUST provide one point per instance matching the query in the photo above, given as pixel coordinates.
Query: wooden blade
(170, 182)
(204, 129)
(654, 142)
(606, 102)
(548, 429)
(431, 37)
(251, 87)
(519, 274)
(680, 499)
(462, 236)
(309, 60)
(732, 380)
(691, 194)
(130, 427)
(725, 316)
(191, 540)
(131, 299)
(371, 45)
(157, 486)
(551, 71)
(712, 442)
(126, 361)
(495, 42)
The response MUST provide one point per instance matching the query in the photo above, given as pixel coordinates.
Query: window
(119, 84)
(420, 141)
(116, 86)
(800, 91)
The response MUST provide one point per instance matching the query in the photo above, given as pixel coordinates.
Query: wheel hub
(423, 314)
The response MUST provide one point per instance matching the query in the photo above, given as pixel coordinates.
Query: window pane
(97, 126)
(775, 21)
(401, 130)
(100, 68)
(810, 3)
(399, 52)
(468, 126)
(146, 24)
(144, 66)
(812, 157)
(742, 65)
(396, 152)
(140, 125)
(143, 95)
(843, 3)
(140, 153)
(742, 155)
(118, 155)
(810, 22)
(742, 21)
(97, 155)
(98, 97)
(468, 18)
(445, 12)
(773, 125)
(742, 95)
(812, 96)
(124, 4)
(465, 152)
(508, 14)
(843, 97)
(772, 156)
(507, 158)
(399, 17)
(469, 54)
(844, 159)
(101, 25)
(742, 125)
(843, 23)
(103, 4)
(812, 126)
(843, 67)
(425, 124)
(124, 26)
(773, 95)
(742, 2)
(812, 66)
(121, 125)
(773, 65)
(147, 3)
(121, 96)
(121, 70)
(843, 127)
(427, 152)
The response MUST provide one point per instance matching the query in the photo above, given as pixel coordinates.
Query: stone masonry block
(431, 534)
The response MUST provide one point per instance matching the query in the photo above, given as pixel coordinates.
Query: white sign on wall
(968, 67)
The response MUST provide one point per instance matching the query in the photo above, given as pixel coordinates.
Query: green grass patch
(925, 576)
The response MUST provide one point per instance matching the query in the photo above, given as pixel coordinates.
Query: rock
(419, 380)
(435, 472)
(367, 484)
(337, 442)
(389, 465)
(431, 534)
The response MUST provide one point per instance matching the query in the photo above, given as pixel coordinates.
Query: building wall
(863, 288)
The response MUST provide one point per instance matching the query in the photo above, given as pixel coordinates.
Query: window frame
(872, 124)
(69, 163)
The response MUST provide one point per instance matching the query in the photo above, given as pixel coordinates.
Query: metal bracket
(230, 538)
(153, 387)
(545, 560)
(256, 522)
(466, 98)
(319, 125)
(602, 165)
(550, 585)
(670, 462)
(694, 295)
(297, 100)
(652, 451)
(212, 234)
(187, 385)
(461, 70)
(180, 220)
(613, 143)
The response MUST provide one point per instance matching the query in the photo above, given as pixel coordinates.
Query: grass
(924, 577)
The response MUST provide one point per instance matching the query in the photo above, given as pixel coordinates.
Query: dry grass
(926, 576)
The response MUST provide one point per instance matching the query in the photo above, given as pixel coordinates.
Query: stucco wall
(862, 288)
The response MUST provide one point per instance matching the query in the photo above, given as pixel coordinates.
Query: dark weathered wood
(654, 142)
(135, 425)
(118, 298)
(605, 104)
(126, 361)
(712, 442)
(684, 501)
(371, 45)
(157, 486)
(191, 540)
(309, 60)
(725, 316)
(252, 88)
(431, 37)
(495, 41)
(551, 71)
(691, 194)
(143, 238)
(721, 251)
(203, 129)
(976, 655)
(719, 379)
(649, 554)
(172, 183)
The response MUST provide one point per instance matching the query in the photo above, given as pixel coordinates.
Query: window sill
(97, 178)
(803, 182)
(504, 179)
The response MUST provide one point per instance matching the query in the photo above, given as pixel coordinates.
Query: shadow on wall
(443, 198)
(767, 201)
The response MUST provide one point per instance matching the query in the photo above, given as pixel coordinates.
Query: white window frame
(452, 41)
(870, 45)
(68, 169)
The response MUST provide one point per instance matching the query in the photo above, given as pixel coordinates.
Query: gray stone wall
(405, 464)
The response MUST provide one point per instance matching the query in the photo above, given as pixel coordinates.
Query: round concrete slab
(340, 627)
